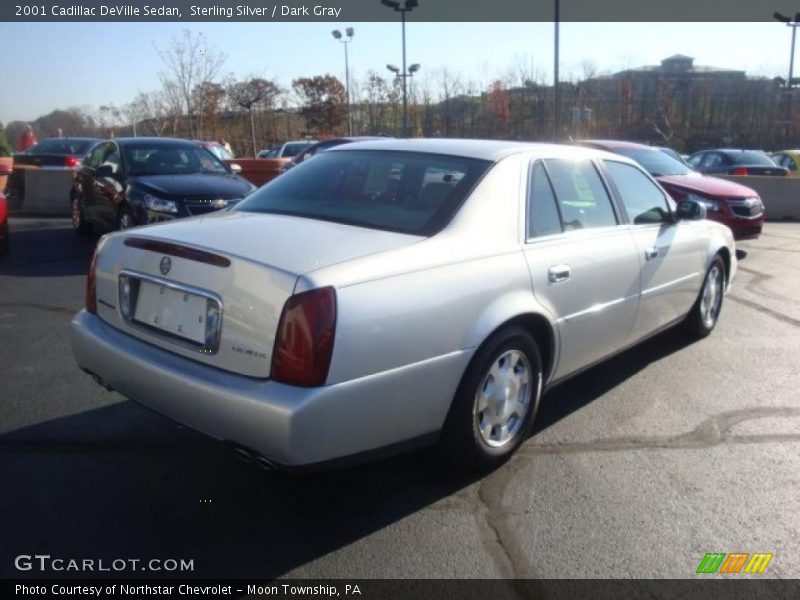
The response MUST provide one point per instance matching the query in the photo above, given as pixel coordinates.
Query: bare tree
(249, 94)
(191, 61)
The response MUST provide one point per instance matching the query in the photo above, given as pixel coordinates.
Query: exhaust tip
(265, 464)
(244, 455)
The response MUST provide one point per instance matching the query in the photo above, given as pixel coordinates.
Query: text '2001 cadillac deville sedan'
(399, 291)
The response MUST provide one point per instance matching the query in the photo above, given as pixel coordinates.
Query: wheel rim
(712, 296)
(76, 213)
(125, 221)
(503, 399)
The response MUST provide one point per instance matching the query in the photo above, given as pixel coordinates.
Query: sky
(61, 65)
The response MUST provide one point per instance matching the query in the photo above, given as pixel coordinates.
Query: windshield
(655, 162)
(751, 157)
(408, 192)
(290, 150)
(62, 146)
(156, 158)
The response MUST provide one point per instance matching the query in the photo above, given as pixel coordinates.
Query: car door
(85, 182)
(671, 253)
(107, 186)
(583, 264)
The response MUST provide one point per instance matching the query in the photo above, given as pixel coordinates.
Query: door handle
(651, 253)
(559, 273)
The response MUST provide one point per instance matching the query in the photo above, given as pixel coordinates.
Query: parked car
(681, 158)
(51, 153)
(788, 159)
(326, 145)
(4, 242)
(217, 149)
(737, 206)
(135, 181)
(286, 150)
(393, 293)
(726, 161)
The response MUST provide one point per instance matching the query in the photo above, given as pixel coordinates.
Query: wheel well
(726, 258)
(539, 327)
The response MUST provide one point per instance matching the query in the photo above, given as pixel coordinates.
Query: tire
(482, 429)
(79, 223)
(704, 315)
(125, 218)
(5, 244)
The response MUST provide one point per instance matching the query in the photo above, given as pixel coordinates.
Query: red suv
(737, 206)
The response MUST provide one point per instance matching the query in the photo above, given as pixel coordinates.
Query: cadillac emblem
(166, 265)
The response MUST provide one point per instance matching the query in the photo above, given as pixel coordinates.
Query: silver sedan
(398, 292)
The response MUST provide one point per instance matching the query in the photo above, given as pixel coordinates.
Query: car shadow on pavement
(573, 394)
(122, 482)
(46, 248)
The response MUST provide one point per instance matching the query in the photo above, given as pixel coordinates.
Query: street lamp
(410, 74)
(337, 35)
(407, 6)
(556, 92)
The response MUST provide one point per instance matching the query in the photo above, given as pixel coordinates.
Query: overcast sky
(59, 65)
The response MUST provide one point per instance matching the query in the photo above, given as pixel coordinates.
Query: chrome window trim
(181, 287)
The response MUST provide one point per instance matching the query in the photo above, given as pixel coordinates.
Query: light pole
(337, 35)
(790, 94)
(556, 92)
(410, 74)
(408, 6)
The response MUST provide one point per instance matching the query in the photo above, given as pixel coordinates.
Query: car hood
(197, 185)
(710, 186)
(292, 244)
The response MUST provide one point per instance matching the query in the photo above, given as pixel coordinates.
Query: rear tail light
(787, 173)
(71, 161)
(304, 343)
(91, 285)
(739, 171)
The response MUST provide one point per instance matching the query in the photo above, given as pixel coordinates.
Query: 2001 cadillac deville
(399, 291)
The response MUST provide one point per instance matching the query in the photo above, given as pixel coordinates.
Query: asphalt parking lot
(638, 467)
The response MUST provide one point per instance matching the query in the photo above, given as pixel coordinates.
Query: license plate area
(183, 314)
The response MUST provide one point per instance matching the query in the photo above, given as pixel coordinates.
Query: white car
(398, 292)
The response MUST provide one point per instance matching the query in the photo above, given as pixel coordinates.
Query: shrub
(5, 147)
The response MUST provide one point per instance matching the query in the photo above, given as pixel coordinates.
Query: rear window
(290, 150)
(62, 146)
(408, 192)
(751, 157)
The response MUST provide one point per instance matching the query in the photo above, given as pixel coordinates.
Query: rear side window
(543, 217)
(643, 200)
(582, 198)
(408, 192)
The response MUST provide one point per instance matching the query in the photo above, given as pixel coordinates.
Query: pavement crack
(713, 431)
(45, 307)
(784, 318)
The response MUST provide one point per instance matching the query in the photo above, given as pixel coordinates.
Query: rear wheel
(704, 314)
(496, 402)
(5, 243)
(79, 224)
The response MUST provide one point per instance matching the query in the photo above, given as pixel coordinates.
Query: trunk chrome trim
(208, 348)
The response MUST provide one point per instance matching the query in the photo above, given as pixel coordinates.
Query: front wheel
(125, 218)
(79, 223)
(704, 314)
(496, 402)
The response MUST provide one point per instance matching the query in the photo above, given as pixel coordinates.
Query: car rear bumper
(289, 426)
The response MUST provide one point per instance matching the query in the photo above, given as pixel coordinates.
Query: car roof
(492, 150)
(150, 140)
(605, 144)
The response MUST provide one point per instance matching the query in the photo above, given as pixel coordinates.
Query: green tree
(5, 147)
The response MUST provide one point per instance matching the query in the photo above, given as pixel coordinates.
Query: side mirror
(689, 210)
(104, 171)
(235, 168)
